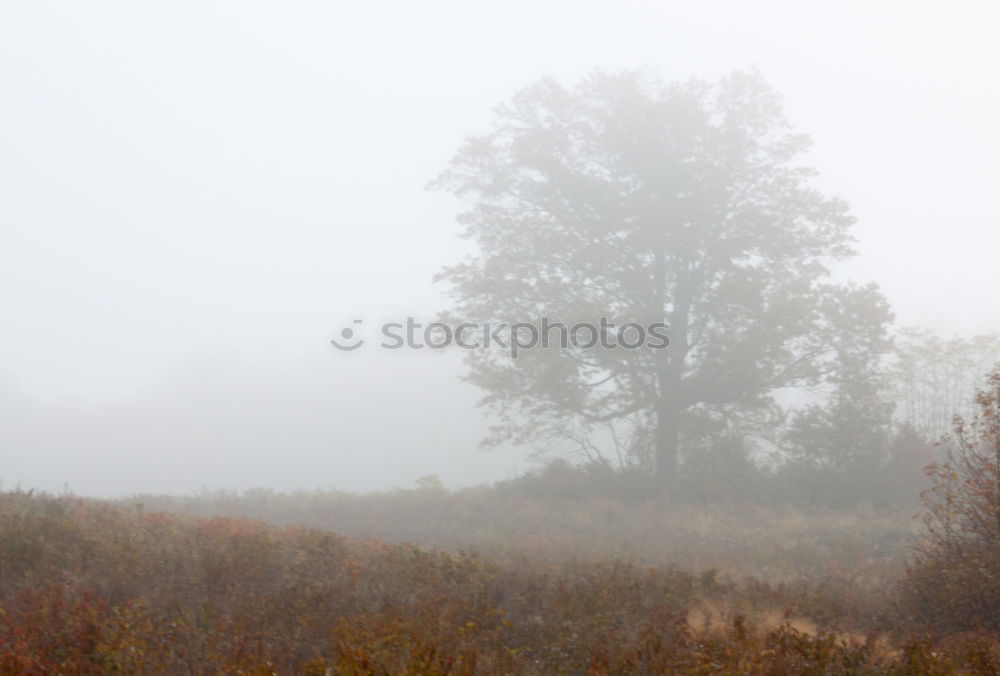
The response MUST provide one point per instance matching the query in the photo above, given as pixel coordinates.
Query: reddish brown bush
(954, 581)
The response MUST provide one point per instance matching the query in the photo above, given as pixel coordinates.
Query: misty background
(196, 197)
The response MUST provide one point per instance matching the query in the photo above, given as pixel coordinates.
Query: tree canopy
(628, 197)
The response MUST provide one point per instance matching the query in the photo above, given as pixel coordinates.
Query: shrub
(953, 583)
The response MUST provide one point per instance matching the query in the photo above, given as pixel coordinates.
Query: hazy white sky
(194, 196)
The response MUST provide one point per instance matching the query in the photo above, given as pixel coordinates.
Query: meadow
(774, 543)
(428, 581)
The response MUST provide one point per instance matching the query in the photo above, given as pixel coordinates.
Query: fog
(196, 197)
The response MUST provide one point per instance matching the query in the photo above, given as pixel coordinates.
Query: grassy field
(120, 587)
(775, 544)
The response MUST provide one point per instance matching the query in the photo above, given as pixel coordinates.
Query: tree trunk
(666, 441)
(669, 364)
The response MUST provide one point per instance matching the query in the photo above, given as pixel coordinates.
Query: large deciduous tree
(631, 198)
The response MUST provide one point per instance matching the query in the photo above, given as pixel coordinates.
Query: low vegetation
(96, 587)
(773, 543)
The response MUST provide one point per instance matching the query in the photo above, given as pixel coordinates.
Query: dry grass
(88, 587)
(776, 544)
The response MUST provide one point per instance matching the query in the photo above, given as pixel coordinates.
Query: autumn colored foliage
(954, 580)
(90, 587)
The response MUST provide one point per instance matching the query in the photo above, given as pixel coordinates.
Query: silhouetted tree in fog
(633, 199)
(932, 377)
(838, 451)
